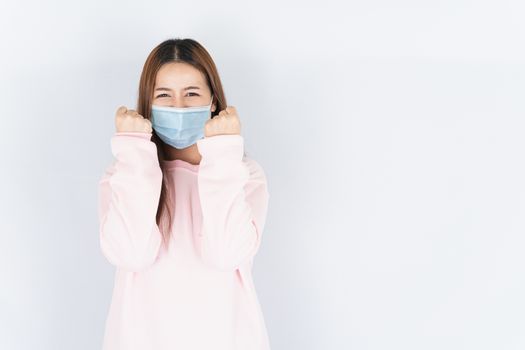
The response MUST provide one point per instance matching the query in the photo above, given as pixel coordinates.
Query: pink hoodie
(198, 294)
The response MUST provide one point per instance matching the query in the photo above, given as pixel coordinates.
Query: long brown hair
(174, 50)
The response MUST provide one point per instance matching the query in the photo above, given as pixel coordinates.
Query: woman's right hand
(128, 120)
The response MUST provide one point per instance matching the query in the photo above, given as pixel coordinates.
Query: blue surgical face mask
(180, 127)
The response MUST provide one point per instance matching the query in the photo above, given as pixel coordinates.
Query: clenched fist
(226, 122)
(130, 121)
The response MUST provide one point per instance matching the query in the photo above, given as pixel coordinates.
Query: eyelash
(188, 93)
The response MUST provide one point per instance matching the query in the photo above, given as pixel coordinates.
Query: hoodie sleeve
(128, 198)
(234, 199)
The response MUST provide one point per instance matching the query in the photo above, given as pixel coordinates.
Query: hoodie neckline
(179, 163)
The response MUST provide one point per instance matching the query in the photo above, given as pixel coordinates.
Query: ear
(213, 107)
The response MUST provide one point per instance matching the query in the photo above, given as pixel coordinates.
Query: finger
(122, 110)
(231, 110)
(132, 113)
(148, 123)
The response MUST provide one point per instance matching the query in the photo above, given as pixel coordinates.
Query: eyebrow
(186, 88)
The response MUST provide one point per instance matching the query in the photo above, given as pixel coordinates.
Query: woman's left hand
(225, 123)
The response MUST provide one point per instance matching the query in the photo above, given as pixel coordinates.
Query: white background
(391, 133)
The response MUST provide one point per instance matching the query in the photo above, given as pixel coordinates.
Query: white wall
(392, 135)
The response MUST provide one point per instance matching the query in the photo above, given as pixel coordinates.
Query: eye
(193, 93)
(161, 95)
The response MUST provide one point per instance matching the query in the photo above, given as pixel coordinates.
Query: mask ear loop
(211, 103)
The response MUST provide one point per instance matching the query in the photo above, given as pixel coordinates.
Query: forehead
(179, 75)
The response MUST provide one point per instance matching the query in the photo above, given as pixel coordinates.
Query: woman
(181, 212)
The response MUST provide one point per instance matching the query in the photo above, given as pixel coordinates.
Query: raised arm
(128, 198)
(234, 199)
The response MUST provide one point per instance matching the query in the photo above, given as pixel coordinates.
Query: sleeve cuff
(134, 147)
(145, 135)
(221, 147)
